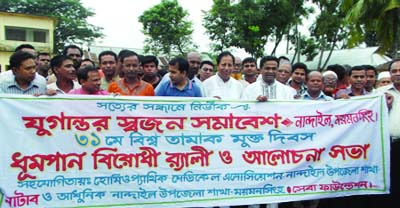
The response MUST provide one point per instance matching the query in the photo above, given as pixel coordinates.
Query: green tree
(218, 23)
(377, 16)
(167, 29)
(329, 29)
(71, 16)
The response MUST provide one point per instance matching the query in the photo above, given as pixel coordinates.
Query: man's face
(225, 68)
(238, 66)
(130, 67)
(206, 71)
(75, 55)
(26, 71)
(268, 71)
(150, 69)
(283, 73)
(299, 76)
(43, 62)
(384, 81)
(194, 63)
(371, 78)
(92, 84)
(395, 73)
(314, 83)
(108, 65)
(329, 83)
(249, 69)
(358, 78)
(175, 75)
(66, 70)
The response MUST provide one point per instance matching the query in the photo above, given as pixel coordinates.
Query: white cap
(384, 74)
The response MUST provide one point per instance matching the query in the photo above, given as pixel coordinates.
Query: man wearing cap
(383, 79)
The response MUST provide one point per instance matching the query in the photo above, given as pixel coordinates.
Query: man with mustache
(63, 68)
(358, 79)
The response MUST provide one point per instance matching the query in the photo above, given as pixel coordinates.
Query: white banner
(83, 151)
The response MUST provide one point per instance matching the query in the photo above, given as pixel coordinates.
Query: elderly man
(25, 80)
(330, 81)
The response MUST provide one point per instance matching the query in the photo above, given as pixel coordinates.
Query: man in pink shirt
(89, 79)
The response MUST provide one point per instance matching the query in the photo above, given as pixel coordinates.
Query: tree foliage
(379, 18)
(250, 24)
(167, 30)
(71, 16)
(329, 29)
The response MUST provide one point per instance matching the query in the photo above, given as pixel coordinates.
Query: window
(15, 34)
(39, 36)
(27, 34)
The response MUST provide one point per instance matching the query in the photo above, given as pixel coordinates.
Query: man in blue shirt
(24, 79)
(179, 84)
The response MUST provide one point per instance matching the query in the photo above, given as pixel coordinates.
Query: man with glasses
(206, 70)
(330, 80)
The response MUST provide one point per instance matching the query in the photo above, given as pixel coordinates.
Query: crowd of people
(130, 74)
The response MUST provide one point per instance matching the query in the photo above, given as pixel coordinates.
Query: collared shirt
(321, 96)
(348, 91)
(141, 88)
(9, 85)
(53, 86)
(80, 91)
(302, 90)
(394, 113)
(104, 83)
(169, 89)
(216, 87)
(195, 80)
(275, 90)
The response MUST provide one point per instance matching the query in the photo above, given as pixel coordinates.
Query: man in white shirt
(222, 85)
(267, 87)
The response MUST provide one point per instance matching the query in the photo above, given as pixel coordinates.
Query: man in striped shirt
(25, 79)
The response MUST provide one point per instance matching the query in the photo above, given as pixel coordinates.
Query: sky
(119, 18)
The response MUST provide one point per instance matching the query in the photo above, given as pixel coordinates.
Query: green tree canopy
(377, 17)
(71, 16)
(167, 30)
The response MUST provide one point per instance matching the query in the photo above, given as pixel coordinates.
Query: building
(17, 29)
(351, 57)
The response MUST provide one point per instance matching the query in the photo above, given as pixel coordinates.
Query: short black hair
(181, 63)
(18, 48)
(84, 73)
(370, 67)
(249, 60)
(299, 65)
(65, 50)
(42, 54)
(356, 68)
(206, 62)
(88, 59)
(268, 58)
(223, 54)
(128, 53)
(18, 57)
(57, 61)
(104, 53)
(121, 53)
(149, 59)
